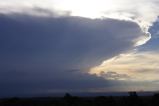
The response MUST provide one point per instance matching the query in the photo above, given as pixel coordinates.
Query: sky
(54, 46)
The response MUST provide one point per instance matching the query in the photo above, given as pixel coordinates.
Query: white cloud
(143, 10)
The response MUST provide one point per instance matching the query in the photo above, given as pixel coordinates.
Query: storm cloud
(55, 53)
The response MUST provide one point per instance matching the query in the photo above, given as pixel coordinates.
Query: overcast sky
(49, 46)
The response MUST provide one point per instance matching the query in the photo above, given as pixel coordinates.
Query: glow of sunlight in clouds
(142, 40)
(134, 66)
(144, 12)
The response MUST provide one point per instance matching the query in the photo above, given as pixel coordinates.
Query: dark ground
(132, 100)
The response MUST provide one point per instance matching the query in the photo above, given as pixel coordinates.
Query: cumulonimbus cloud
(37, 39)
(38, 52)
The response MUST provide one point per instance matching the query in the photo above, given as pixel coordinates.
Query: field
(132, 100)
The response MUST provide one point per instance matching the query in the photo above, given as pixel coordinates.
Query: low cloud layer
(140, 66)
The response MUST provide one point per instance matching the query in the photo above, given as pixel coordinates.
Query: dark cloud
(49, 53)
(114, 75)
